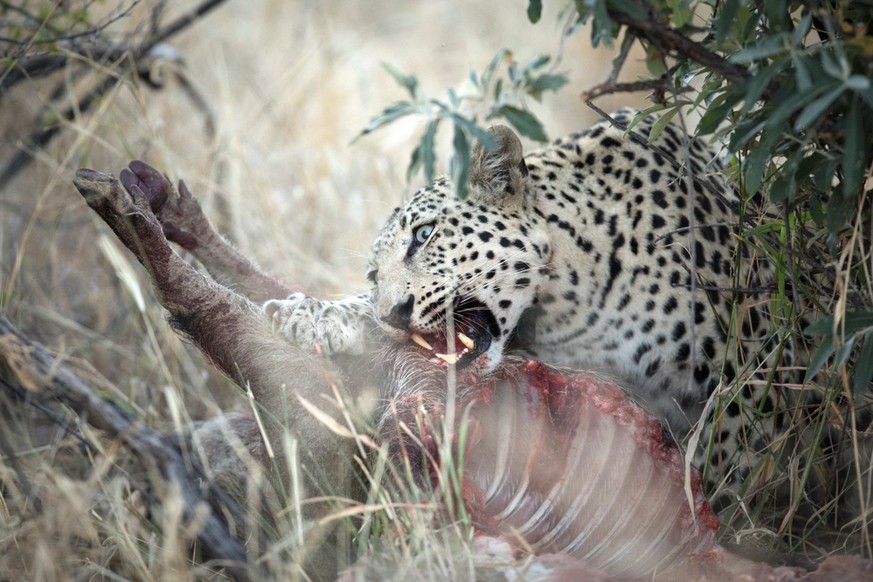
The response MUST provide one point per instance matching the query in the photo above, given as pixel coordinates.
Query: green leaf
(410, 82)
(631, 8)
(853, 152)
(753, 169)
(488, 73)
(834, 66)
(682, 13)
(824, 175)
(512, 72)
(726, 18)
(856, 321)
(526, 124)
(767, 47)
(801, 30)
(867, 95)
(644, 114)
(748, 18)
(498, 89)
(480, 134)
(817, 108)
(864, 367)
(844, 351)
(754, 87)
(584, 8)
(716, 113)
(785, 108)
(785, 185)
(453, 97)
(546, 82)
(661, 123)
(474, 80)
(601, 26)
(853, 323)
(822, 353)
(538, 63)
(428, 154)
(743, 132)
(391, 113)
(756, 161)
(534, 11)
(460, 163)
(822, 327)
(777, 14)
(839, 213)
(816, 211)
(414, 162)
(655, 61)
(801, 72)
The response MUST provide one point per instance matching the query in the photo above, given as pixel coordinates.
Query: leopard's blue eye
(422, 233)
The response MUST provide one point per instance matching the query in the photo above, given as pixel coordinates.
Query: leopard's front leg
(327, 327)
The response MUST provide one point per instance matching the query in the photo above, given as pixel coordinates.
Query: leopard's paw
(312, 324)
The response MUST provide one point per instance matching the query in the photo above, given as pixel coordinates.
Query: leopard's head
(457, 276)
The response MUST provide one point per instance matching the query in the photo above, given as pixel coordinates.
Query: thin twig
(66, 36)
(38, 66)
(763, 290)
(180, 24)
(41, 136)
(44, 135)
(669, 40)
(663, 84)
(31, 368)
(24, 483)
(618, 62)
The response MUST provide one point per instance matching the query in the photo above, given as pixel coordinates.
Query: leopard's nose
(401, 313)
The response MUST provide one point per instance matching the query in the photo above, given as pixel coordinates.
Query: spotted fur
(598, 251)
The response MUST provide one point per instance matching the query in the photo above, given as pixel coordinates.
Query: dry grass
(288, 85)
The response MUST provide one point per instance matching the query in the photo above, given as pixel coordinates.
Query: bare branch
(125, 59)
(63, 35)
(30, 368)
(670, 41)
(661, 85)
(38, 66)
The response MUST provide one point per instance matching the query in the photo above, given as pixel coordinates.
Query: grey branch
(29, 368)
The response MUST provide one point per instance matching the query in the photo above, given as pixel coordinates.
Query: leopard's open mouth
(474, 327)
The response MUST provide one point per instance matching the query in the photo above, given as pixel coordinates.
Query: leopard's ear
(499, 172)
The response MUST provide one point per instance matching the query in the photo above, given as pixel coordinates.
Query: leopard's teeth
(448, 358)
(421, 341)
(466, 341)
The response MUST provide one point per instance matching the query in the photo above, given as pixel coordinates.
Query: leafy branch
(489, 95)
(839, 339)
(29, 372)
(40, 45)
(788, 87)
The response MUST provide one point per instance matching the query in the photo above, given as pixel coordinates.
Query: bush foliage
(784, 86)
(784, 89)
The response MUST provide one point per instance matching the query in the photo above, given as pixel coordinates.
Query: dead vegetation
(280, 89)
(285, 86)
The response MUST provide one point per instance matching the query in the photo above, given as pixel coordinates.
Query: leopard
(603, 250)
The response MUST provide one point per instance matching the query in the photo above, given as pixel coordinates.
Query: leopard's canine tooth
(466, 341)
(448, 358)
(421, 341)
